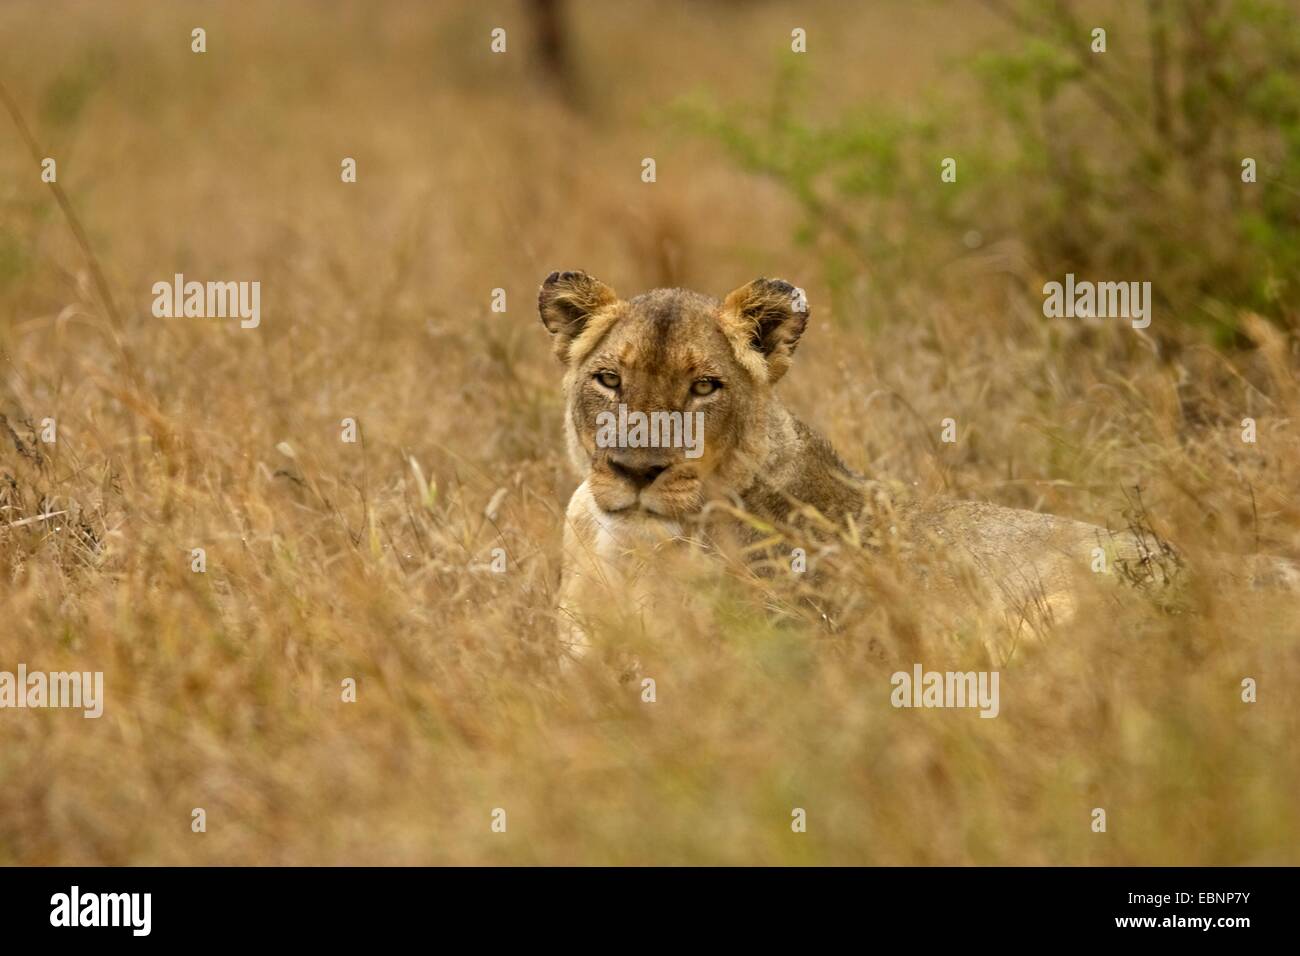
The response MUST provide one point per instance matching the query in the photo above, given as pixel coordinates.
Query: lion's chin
(647, 510)
(656, 511)
(647, 505)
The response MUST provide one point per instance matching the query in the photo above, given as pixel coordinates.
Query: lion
(672, 354)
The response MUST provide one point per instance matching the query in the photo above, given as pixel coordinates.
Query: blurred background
(479, 171)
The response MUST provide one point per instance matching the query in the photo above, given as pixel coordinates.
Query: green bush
(1122, 165)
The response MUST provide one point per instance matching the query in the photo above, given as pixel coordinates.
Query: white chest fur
(608, 568)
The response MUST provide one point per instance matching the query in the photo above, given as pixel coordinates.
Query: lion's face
(667, 394)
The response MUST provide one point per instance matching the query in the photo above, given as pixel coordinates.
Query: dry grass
(328, 560)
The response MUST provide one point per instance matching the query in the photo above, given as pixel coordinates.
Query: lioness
(675, 351)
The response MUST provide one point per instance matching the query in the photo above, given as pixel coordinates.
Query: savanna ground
(328, 560)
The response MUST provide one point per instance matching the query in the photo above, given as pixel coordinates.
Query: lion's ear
(768, 316)
(566, 301)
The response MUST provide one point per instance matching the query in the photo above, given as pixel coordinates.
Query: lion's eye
(705, 386)
(608, 379)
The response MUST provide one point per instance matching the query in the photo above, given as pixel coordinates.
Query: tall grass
(328, 561)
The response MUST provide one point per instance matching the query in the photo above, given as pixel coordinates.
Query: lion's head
(668, 394)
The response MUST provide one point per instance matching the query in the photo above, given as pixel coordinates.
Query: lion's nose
(640, 474)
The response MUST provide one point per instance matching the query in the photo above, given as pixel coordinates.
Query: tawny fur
(762, 460)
